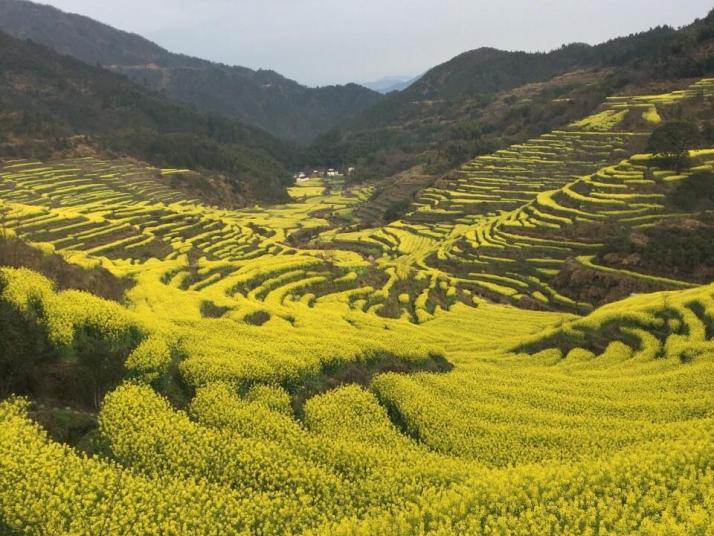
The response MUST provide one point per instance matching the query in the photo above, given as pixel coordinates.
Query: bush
(672, 142)
(396, 210)
(24, 345)
(258, 318)
(695, 193)
(100, 358)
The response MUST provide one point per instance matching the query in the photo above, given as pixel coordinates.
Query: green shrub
(672, 142)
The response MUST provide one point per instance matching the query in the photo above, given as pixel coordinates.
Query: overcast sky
(319, 42)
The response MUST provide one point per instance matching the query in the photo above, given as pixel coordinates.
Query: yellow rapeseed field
(275, 321)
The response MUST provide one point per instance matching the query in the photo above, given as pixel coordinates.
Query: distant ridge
(261, 98)
(487, 98)
(52, 104)
(391, 83)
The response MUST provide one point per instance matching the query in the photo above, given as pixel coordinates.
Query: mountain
(52, 103)
(390, 83)
(486, 99)
(261, 98)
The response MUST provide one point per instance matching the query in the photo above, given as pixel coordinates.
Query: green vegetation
(262, 98)
(71, 105)
(695, 193)
(678, 252)
(488, 99)
(396, 210)
(95, 279)
(672, 142)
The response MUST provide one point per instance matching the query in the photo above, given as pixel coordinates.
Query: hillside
(260, 98)
(488, 99)
(521, 345)
(511, 225)
(270, 371)
(53, 104)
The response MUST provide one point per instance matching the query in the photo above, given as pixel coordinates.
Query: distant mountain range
(390, 83)
(261, 98)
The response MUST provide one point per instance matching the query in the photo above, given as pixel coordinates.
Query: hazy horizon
(320, 43)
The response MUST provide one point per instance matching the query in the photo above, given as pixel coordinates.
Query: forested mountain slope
(261, 98)
(487, 99)
(51, 103)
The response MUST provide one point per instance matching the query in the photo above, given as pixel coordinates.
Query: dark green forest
(52, 102)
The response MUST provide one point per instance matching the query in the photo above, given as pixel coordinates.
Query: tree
(396, 210)
(672, 142)
(24, 346)
(99, 354)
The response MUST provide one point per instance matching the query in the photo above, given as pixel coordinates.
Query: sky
(322, 42)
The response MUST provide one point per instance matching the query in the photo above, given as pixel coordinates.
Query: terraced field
(503, 226)
(284, 372)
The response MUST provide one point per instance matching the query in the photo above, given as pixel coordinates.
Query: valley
(191, 343)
